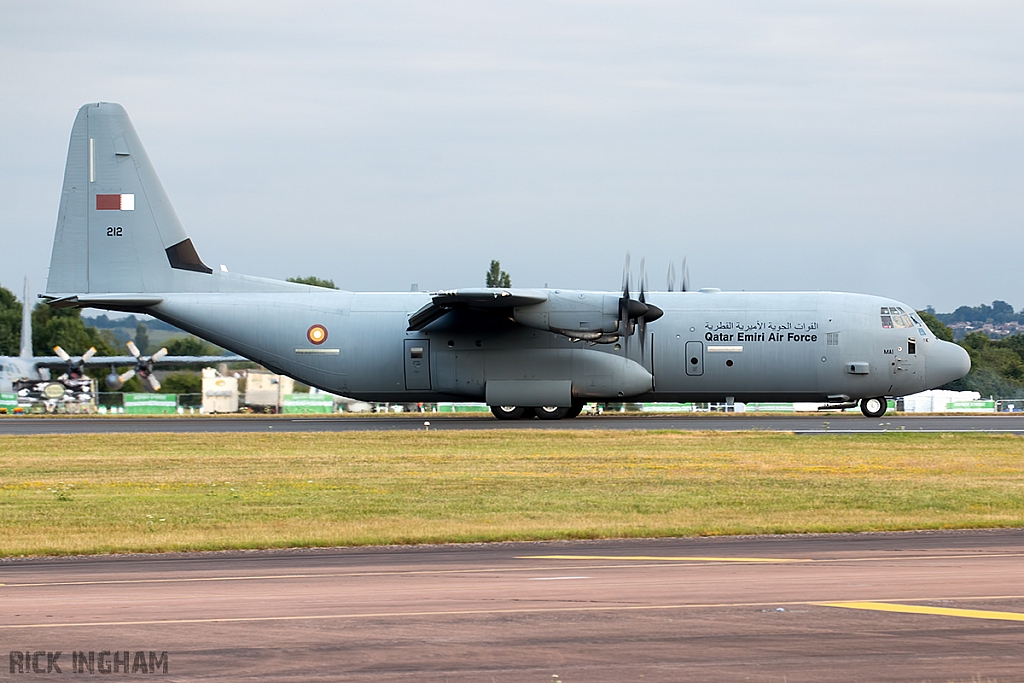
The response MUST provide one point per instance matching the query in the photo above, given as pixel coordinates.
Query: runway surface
(812, 424)
(920, 606)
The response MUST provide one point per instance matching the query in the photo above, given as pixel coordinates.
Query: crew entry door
(417, 364)
(694, 358)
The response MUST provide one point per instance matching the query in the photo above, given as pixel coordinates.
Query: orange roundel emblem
(317, 334)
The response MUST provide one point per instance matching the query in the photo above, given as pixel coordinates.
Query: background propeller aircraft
(26, 367)
(120, 246)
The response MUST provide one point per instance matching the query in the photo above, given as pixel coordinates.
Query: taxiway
(1012, 423)
(910, 606)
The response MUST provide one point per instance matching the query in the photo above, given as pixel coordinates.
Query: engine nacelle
(584, 316)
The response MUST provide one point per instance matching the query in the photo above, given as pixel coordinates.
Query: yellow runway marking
(523, 610)
(923, 609)
(655, 558)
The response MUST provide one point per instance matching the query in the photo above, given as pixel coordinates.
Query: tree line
(997, 365)
(998, 312)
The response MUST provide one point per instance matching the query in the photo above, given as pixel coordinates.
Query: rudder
(116, 229)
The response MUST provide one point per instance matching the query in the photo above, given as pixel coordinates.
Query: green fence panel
(463, 408)
(307, 403)
(971, 406)
(150, 404)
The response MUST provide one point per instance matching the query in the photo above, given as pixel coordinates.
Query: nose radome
(946, 362)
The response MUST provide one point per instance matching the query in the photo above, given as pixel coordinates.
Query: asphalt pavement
(916, 606)
(804, 424)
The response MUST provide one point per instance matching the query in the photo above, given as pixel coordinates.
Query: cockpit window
(894, 317)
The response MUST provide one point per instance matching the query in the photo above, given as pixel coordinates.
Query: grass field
(153, 492)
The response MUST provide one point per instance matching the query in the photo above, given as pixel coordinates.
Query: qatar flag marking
(115, 202)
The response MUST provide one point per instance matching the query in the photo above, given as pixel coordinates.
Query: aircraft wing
(483, 298)
(594, 317)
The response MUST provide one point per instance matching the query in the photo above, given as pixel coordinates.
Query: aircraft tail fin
(26, 324)
(116, 229)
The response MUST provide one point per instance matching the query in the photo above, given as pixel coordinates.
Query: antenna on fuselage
(26, 325)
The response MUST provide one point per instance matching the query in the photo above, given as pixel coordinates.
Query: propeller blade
(642, 318)
(127, 375)
(670, 279)
(623, 323)
(158, 355)
(685, 273)
(153, 382)
(89, 354)
(61, 353)
(625, 278)
(643, 278)
(133, 349)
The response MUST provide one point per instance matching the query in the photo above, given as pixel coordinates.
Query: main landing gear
(542, 412)
(874, 407)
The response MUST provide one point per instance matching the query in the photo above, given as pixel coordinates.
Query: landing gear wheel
(874, 407)
(576, 409)
(551, 412)
(508, 412)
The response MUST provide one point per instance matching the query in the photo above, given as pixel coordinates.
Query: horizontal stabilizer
(110, 302)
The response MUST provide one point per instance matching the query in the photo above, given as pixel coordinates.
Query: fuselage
(708, 346)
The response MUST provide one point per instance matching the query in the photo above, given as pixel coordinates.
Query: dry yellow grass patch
(148, 492)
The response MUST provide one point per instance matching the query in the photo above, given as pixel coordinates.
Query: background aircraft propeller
(143, 368)
(76, 366)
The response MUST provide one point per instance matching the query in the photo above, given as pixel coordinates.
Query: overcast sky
(856, 146)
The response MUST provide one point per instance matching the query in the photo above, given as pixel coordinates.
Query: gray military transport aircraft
(120, 246)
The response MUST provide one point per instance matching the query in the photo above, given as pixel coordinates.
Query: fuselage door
(417, 364)
(694, 358)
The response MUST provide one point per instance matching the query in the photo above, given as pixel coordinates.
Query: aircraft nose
(946, 362)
